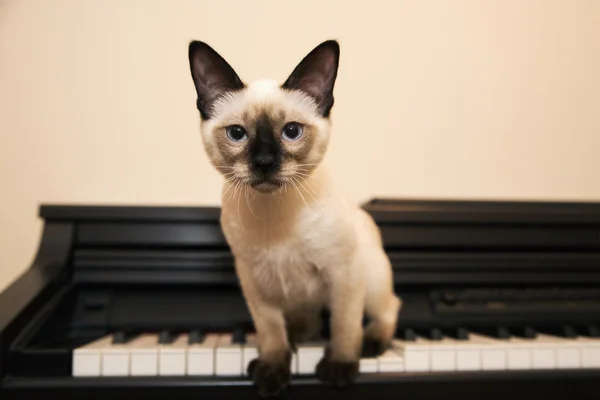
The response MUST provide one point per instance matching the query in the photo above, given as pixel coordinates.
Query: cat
(299, 246)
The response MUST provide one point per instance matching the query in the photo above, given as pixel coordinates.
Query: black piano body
(500, 269)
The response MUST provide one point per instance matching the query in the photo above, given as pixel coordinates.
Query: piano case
(500, 269)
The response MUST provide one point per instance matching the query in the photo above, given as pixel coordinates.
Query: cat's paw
(269, 379)
(373, 348)
(337, 373)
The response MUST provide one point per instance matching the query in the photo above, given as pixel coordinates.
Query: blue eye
(236, 133)
(292, 131)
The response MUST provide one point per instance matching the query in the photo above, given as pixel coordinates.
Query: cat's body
(321, 240)
(299, 247)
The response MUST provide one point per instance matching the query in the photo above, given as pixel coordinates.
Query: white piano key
(568, 358)
(115, 360)
(392, 360)
(493, 352)
(416, 354)
(294, 366)
(590, 352)
(249, 352)
(442, 354)
(87, 359)
(143, 352)
(519, 355)
(543, 353)
(228, 357)
(368, 365)
(468, 354)
(172, 357)
(567, 351)
(309, 355)
(201, 356)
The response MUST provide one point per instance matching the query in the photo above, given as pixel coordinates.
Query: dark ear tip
(332, 44)
(193, 47)
(197, 45)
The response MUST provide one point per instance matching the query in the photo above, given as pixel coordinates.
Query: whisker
(232, 184)
(301, 174)
(247, 204)
(230, 179)
(315, 200)
(298, 190)
(304, 187)
(238, 191)
(308, 184)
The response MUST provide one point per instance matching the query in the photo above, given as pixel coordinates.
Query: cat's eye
(236, 133)
(292, 131)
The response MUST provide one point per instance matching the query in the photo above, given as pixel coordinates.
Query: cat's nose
(264, 163)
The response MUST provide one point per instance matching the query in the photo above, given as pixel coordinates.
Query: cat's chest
(297, 241)
(285, 260)
(289, 260)
(287, 272)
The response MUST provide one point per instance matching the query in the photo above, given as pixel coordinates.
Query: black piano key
(239, 336)
(591, 331)
(567, 331)
(503, 333)
(166, 337)
(196, 336)
(527, 332)
(436, 334)
(457, 333)
(432, 334)
(496, 332)
(408, 335)
(462, 334)
(564, 331)
(570, 332)
(122, 337)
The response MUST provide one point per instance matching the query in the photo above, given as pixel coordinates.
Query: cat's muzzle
(266, 184)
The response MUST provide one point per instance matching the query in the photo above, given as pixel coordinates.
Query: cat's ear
(212, 75)
(315, 75)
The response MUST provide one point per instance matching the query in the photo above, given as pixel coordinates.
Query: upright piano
(500, 300)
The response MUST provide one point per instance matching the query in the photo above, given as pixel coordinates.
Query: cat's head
(264, 134)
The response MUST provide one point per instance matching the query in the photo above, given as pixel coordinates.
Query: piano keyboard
(228, 355)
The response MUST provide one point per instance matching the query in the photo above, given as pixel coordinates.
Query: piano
(500, 300)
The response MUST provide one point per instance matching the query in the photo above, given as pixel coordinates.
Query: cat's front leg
(339, 366)
(271, 371)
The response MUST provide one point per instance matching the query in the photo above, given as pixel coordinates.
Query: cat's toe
(269, 379)
(373, 348)
(337, 373)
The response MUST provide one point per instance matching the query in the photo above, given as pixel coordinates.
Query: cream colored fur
(301, 247)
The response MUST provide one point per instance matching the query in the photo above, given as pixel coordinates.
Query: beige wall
(461, 99)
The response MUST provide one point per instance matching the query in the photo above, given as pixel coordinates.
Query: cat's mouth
(266, 185)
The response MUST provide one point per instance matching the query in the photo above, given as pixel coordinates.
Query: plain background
(494, 99)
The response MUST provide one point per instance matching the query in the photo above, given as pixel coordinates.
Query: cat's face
(264, 134)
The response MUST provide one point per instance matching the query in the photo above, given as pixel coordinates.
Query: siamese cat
(299, 246)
